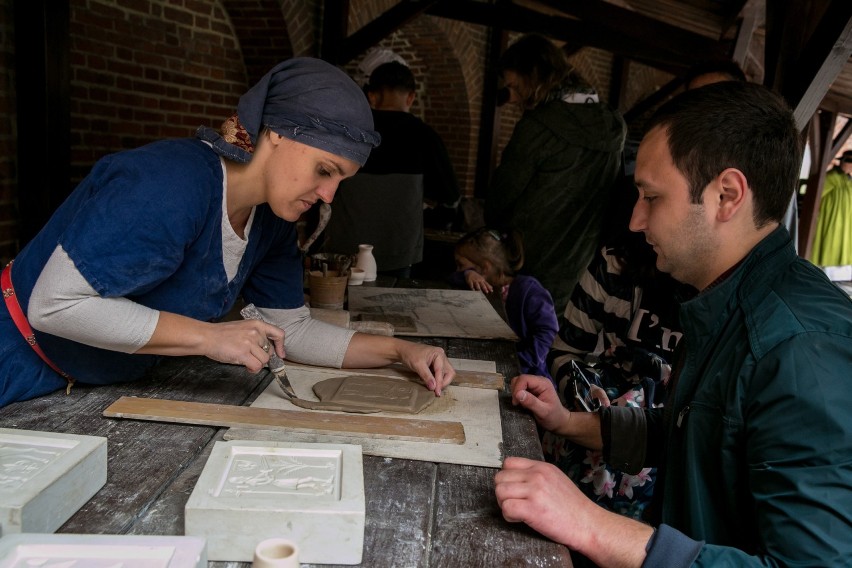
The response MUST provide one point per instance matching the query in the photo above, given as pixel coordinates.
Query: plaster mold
(101, 551)
(311, 494)
(45, 477)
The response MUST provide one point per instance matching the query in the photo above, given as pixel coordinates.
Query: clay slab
(45, 477)
(380, 393)
(101, 551)
(312, 494)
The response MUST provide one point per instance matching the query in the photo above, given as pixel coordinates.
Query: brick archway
(446, 93)
(262, 34)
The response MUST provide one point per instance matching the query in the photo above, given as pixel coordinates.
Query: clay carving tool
(276, 364)
(279, 371)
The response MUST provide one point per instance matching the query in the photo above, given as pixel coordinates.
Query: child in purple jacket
(487, 259)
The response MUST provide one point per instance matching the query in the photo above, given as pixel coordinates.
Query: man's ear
(373, 98)
(409, 100)
(733, 193)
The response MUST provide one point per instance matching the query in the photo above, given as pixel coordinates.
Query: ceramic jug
(366, 262)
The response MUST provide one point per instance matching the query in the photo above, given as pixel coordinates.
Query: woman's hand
(241, 342)
(429, 362)
(248, 343)
(476, 281)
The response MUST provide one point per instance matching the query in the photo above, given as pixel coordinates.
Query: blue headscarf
(307, 100)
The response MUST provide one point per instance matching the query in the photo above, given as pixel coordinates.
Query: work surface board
(429, 312)
(477, 409)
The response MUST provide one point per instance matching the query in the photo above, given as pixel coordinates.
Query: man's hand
(540, 495)
(537, 395)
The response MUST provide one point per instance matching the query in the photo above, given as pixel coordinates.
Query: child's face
(467, 258)
(463, 263)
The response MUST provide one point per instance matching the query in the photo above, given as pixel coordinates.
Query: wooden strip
(162, 410)
(479, 379)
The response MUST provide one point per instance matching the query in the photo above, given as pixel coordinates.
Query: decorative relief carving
(277, 474)
(19, 463)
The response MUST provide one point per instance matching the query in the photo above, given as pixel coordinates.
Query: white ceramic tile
(312, 494)
(101, 551)
(45, 477)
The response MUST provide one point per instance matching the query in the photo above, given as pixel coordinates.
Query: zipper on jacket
(681, 415)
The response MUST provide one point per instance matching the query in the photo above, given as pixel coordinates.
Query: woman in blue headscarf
(157, 243)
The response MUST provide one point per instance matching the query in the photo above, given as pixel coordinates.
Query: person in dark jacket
(408, 182)
(558, 168)
(753, 441)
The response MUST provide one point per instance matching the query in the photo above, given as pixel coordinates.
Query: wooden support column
(43, 108)
(820, 131)
(619, 77)
(335, 28)
(489, 126)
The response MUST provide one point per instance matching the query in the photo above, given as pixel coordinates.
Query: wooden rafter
(380, 28)
(659, 53)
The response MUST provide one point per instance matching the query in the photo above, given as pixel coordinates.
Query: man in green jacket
(754, 443)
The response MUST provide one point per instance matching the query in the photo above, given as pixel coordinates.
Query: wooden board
(248, 417)
(477, 409)
(430, 312)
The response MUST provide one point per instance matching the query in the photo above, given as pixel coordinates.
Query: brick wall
(143, 70)
(147, 70)
(446, 59)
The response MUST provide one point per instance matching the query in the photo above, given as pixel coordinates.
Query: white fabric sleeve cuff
(307, 340)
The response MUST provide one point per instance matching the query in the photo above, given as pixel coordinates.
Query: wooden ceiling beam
(653, 99)
(836, 103)
(637, 26)
(381, 27)
(802, 66)
(664, 55)
(821, 61)
(732, 13)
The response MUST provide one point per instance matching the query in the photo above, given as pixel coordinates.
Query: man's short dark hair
(735, 125)
(392, 75)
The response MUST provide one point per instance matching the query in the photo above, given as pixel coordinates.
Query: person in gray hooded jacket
(556, 172)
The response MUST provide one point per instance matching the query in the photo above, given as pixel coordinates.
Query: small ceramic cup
(356, 277)
(276, 553)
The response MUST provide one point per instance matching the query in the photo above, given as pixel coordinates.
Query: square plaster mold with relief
(45, 477)
(312, 494)
(101, 551)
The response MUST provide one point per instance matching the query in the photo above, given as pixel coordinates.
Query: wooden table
(418, 514)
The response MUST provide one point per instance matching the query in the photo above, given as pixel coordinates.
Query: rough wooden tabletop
(418, 514)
